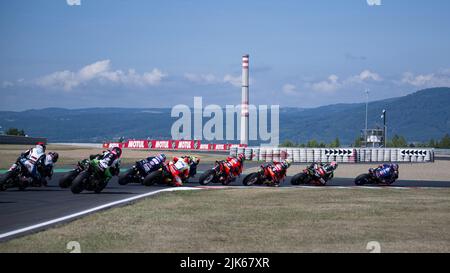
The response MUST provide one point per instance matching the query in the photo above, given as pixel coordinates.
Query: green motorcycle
(93, 178)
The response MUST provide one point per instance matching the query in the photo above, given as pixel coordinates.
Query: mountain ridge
(419, 116)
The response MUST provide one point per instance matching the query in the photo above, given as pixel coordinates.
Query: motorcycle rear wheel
(79, 181)
(152, 178)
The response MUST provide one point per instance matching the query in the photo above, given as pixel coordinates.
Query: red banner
(170, 145)
(137, 144)
(161, 144)
(112, 145)
(186, 144)
(205, 147)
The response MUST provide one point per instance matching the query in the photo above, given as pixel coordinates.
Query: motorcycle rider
(31, 159)
(234, 166)
(277, 170)
(109, 162)
(47, 168)
(384, 171)
(179, 167)
(149, 164)
(321, 170)
(192, 162)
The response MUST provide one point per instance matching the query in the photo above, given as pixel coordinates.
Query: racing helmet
(286, 163)
(54, 156)
(241, 157)
(195, 159)
(395, 166)
(117, 151)
(41, 144)
(334, 164)
(187, 159)
(161, 157)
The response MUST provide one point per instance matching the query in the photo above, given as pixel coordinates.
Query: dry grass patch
(69, 155)
(260, 220)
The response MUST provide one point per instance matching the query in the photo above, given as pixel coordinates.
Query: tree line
(397, 141)
(15, 132)
(311, 144)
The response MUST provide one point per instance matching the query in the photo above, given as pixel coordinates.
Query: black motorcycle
(371, 179)
(18, 176)
(91, 179)
(138, 172)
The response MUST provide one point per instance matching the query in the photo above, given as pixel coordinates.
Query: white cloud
(202, 79)
(207, 79)
(235, 81)
(329, 85)
(99, 71)
(333, 83)
(73, 2)
(365, 75)
(374, 2)
(7, 84)
(289, 89)
(441, 78)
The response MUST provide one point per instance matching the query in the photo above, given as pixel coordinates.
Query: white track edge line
(84, 212)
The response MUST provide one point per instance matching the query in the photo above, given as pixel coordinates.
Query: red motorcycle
(217, 174)
(265, 177)
(165, 176)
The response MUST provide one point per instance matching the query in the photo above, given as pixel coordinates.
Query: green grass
(260, 220)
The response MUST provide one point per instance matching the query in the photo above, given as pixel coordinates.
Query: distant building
(373, 138)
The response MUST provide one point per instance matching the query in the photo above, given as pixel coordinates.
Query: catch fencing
(340, 155)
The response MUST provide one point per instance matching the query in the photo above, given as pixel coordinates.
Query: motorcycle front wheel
(299, 179)
(4, 181)
(125, 178)
(251, 179)
(66, 179)
(207, 177)
(362, 179)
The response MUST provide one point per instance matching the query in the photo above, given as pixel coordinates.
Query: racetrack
(36, 205)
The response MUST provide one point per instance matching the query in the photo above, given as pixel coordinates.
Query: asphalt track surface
(20, 209)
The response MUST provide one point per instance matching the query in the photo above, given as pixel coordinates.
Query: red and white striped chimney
(245, 97)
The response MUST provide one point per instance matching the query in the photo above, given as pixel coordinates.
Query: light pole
(367, 110)
(384, 127)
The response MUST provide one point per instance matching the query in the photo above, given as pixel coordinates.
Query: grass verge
(260, 220)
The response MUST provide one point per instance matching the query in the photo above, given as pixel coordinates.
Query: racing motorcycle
(164, 176)
(262, 177)
(216, 175)
(91, 178)
(18, 176)
(310, 176)
(137, 173)
(371, 178)
(66, 180)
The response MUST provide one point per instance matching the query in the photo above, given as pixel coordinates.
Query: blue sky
(161, 53)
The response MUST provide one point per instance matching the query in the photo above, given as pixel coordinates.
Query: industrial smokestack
(244, 104)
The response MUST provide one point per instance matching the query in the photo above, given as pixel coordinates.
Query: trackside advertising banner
(170, 145)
